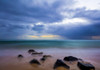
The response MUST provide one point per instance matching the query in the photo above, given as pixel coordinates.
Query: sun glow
(33, 36)
(49, 36)
(44, 37)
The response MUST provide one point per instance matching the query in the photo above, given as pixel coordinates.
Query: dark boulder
(34, 61)
(20, 56)
(70, 58)
(85, 66)
(31, 50)
(60, 64)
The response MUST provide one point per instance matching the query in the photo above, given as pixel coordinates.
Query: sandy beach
(9, 60)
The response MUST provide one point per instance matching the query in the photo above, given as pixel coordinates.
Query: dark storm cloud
(15, 14)
(93, 15)
(38, 28)
(91, 30)
(15, 10)
(79, 32)
(82, 32)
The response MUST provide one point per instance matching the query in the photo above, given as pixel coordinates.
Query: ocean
(50, 44)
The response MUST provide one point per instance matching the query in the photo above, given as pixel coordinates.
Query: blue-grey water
(50, 44)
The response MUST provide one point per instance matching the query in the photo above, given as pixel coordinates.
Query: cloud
(89, 4)
(92, 15)
(72, 22)
(32, 10)
(38, 28)
(47, 18)
(76, 32)
(96, 37)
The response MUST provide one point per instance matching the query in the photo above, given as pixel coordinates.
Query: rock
(45, 56)
(34, 62)
(85, 66)
(43, 59)
(20, 56)
(31, 51)
(70, 58)
(37, 53)
(60, 65)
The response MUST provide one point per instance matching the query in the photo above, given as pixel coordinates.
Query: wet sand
(9, 60)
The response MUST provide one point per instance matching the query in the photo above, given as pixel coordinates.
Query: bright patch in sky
(72, 21)
(33, 36)
(44, 37)
(49, 36)
(89, 4)
(75, 21)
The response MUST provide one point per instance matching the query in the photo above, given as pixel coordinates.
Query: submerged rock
(31, 50)
(46, 56)
(70, 58)
(85, 66)
(37, 53)
(60, 65)
(34, 62)
(20, 56)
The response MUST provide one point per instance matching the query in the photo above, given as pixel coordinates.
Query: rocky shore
(59, 64)
(50, 59)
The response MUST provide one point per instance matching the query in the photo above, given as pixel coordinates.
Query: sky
(49, 19)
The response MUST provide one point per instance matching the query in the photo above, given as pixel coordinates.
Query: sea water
(50, 44)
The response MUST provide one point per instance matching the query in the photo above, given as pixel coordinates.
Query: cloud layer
(19, 18)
